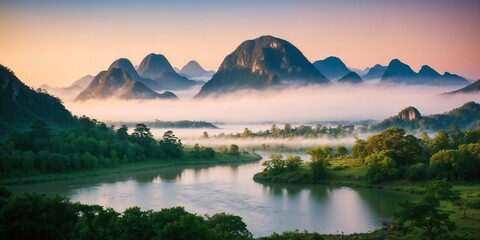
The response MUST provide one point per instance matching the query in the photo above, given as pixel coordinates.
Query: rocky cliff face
(260, 63)
(409, 114)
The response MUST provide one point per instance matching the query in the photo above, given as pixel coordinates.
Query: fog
(301, 104)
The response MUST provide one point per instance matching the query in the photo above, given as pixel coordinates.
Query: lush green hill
(466, 116)
(21, 106)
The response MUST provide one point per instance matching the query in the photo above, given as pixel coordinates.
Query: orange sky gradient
(57, 43)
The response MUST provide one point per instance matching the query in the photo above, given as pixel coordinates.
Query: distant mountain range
(70, 92)
(262, 63)
(470, 89)
(21, 106)
(351, 77)
(375, 72)
(195, 71)
(400, 73)
(466, 116)
(117, 83)
(157, 68)
(332, 67)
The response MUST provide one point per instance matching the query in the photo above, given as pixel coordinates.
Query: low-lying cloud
(301, 104)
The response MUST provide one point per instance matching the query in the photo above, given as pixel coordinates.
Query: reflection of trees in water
(383, 203)
(290, 190)
(175, 173)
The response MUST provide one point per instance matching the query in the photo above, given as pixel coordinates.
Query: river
(209, 189)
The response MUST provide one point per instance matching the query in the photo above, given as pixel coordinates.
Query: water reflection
(209, 189)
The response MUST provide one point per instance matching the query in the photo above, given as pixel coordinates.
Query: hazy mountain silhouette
(260, 63)
(127, 66)
(117, 83)
(332, 67)
(194, 70)
(22, 106)
(360, 72)
(471, 88)
(351, 77)
(157, 68)
(376, 72)
(398, 72)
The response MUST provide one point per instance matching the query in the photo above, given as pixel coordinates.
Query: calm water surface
(229, 188)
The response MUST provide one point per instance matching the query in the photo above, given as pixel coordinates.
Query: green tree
(122, 133)
(426, 214)
(340, 151)
(319, 161)
(135, 224)
(233, 150)
(229, 226)
(171, 145)
(274, 164)
(34, 216)
(292, 163)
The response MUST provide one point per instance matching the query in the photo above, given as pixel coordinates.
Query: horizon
(80, 38)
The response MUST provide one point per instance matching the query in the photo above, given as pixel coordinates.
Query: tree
(319, 161)
(134, 224)
(142, 131)
(426, 214)
(274, 164)
(229, 226)
(205, 134)
(35, 216)
(122, 133)
(452, 164)
(171, 145)
(233, 150)
(381, 167)
(439, 142)
(293, 162)
(340, 151)
(246, 133)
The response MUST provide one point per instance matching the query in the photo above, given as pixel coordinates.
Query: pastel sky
(57, 41)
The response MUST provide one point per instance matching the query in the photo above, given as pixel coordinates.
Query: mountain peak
(427, 71)
(117, 83)
(153, 65)
(194, 70)
(262, 62)
(332, 67)
(409, 114)
(351, 77)
(471, 88)
(398, 71)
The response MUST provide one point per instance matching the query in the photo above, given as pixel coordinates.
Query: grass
(349, 172)
(187, 160)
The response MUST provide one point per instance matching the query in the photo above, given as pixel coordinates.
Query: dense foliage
(88, 146)
(301, 131)
(393, 154)
(426, 214)
(170, 124)
(34, 216)
(21, 106)
(466, 116)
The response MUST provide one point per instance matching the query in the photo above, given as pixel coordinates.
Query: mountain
(359, 71)
(117, 83)
(471, 88)
(428, 72)
(331, 67)
(127, 66)
(351, 77)
(194, 70)
(22, 106)
(410, 118)
(83, 82)
(69, 93)
(157, 68)
(261, 63)
(398, 72)
(376, 72)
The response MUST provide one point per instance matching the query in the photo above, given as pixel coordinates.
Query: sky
(56, 42)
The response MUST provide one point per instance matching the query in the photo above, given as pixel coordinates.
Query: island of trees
(94, 145)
